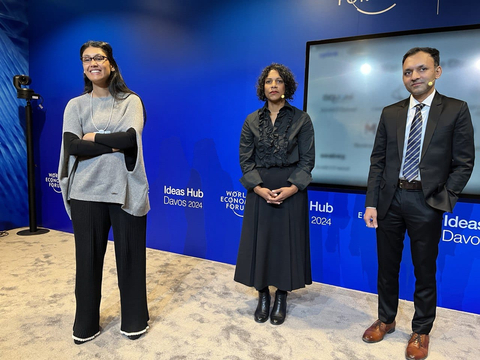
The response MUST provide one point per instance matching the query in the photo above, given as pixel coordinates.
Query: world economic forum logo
(52, 181)
(234, 201)
(380, 6)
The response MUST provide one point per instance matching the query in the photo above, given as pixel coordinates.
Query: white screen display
(349, 81)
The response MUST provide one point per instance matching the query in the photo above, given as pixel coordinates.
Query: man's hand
(370, 217)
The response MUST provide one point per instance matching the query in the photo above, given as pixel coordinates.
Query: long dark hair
(116, 84)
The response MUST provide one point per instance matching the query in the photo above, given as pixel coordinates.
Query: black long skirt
(275, 244)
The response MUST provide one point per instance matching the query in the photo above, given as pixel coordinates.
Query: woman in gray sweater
(104, 185)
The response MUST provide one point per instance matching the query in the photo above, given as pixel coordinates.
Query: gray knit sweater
(104, 178)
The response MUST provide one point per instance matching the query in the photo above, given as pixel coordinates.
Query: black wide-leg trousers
(91, 224)
(409, 212)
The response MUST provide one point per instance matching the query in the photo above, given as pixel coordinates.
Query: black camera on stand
(24, 93)
(29, 94)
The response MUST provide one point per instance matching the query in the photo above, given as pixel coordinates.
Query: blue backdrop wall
(13, 152)
(195, 64)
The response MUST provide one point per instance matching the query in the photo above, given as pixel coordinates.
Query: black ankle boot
(279, 310)
(263, 307)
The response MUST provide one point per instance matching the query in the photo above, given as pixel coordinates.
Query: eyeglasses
(98, 59)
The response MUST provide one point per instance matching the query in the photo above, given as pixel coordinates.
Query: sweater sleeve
(73, 145)
(119, 140)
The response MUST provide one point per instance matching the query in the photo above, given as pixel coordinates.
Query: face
(98, 72)
(419, 75)
(274, 86)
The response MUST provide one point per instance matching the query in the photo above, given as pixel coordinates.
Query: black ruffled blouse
(273, 141)
(288, 142)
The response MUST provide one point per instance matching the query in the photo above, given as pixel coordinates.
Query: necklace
(104, 130)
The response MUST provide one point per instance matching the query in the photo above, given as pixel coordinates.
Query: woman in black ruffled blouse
(277, 154)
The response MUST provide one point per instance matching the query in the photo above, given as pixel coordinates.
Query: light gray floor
(197, 312)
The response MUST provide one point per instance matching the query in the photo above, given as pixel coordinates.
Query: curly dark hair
(116, 84)
(287, 76)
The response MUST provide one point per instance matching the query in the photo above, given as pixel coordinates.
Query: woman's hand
(268, 195)
(89, 137)
(285, 192)
(277, 196)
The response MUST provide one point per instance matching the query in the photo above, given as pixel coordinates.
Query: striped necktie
(412, 156)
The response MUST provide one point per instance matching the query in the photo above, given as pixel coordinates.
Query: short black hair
(286, 75)
(434, 53)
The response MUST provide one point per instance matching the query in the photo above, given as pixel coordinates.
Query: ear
(438, 72)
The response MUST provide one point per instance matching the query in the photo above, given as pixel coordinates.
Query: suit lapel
(401, 125)
(433, 117)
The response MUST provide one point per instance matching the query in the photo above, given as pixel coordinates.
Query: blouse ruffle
(273, 145)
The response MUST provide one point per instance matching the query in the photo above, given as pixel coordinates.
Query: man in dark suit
(422, 159)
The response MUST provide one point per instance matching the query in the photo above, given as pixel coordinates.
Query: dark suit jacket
(447, 155)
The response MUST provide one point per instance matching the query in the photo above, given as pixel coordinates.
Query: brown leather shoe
(417, 348)
(377, 331)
